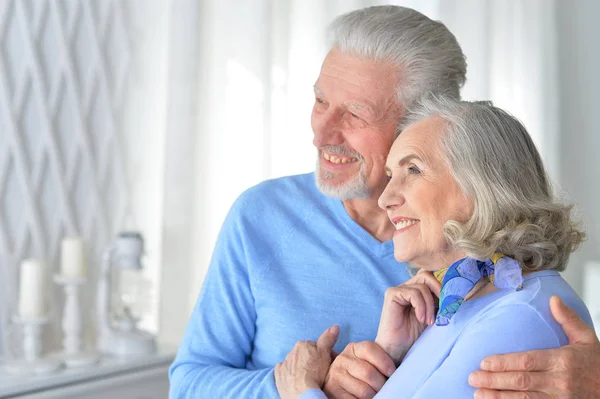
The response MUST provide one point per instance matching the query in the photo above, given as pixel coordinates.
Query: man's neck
(367, 213)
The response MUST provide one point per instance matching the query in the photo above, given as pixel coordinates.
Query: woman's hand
(407, 310)
(306, 366)
(358, 372)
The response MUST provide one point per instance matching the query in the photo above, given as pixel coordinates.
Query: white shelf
(110, 371)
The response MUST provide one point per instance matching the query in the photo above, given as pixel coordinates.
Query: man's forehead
(359, 70)
(378, 104)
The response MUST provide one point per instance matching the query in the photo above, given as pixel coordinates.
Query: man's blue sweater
(289, 263)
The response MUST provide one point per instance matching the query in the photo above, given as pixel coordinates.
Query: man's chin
(342, 190)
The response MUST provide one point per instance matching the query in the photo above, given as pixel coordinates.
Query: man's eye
(388, 178)
(320, 101)
(354, 115)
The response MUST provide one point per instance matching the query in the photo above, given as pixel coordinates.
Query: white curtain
(245, 113)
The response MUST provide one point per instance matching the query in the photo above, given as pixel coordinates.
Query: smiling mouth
(338, 158)
(404, 223)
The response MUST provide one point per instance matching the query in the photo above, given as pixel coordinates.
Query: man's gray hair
(427, 54)
(495, 162)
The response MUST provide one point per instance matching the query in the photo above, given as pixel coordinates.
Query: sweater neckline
(378, 248)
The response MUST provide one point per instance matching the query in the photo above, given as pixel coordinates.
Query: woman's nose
(391, 197)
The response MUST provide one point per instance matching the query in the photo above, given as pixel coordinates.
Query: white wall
(84, 154)
(579, 65)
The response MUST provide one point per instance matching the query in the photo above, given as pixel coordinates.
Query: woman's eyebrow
(405, 159)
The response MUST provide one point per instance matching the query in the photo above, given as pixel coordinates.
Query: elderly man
(298, 254)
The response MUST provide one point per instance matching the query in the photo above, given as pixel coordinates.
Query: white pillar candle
(72, 257)
(32, 289)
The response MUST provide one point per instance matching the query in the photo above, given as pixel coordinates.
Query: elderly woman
(474, 211)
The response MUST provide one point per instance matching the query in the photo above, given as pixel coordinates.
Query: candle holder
(32, 362)
(118, 332)
(72, 324)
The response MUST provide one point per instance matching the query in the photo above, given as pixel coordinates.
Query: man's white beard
(356, 187)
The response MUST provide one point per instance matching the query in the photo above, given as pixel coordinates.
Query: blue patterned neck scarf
(460, 278)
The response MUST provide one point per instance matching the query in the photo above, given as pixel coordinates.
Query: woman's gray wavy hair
(427, 53)
(494, 161)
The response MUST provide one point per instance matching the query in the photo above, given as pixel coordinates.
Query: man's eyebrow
(360, 107)
(352, 105)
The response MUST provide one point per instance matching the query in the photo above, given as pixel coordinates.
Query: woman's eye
(413, 170)
(388, 178)
(320, 101)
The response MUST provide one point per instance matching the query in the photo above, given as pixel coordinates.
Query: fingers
(358, 382)
(416, 295)
(335, 387)
(488, 394)
(351, 374)
(338, 393)
(428, 312)
(517, 381)
(576, 329)
(539, 360)
(334, 354)
(374, 355)
(427, 278)
(328, 339)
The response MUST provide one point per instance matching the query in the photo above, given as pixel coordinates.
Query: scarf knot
(460, 278)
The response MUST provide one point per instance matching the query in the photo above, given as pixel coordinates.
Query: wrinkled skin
(306, 366)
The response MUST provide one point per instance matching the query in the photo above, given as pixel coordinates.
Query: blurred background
(154, 115)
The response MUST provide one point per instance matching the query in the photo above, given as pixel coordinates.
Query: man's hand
(358, 372)
(306, 366)
(569, 372)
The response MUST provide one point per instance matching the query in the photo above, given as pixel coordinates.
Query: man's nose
(327, 129)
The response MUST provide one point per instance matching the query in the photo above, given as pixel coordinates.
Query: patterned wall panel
(64, 72)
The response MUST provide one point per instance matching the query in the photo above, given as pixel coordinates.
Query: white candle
(32, 290)
(72, 257)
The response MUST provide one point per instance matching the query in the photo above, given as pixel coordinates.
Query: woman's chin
(416, 263)
(402, 257)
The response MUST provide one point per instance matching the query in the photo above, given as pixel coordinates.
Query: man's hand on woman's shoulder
(569, 372)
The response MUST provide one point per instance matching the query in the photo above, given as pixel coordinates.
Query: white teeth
(336, 160)
(405, 223)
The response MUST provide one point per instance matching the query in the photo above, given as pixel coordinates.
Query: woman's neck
(482, 288)
(443, 259)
